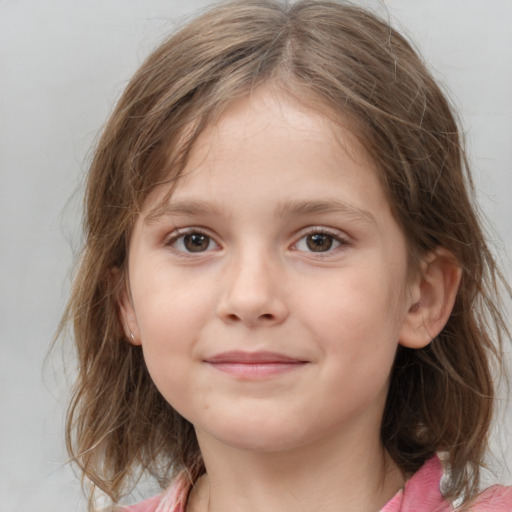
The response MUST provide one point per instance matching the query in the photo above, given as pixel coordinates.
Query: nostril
(267, 316)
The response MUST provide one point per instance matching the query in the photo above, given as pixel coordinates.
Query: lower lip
(257, 370)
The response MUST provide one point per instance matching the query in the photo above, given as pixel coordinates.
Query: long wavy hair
(356, 69)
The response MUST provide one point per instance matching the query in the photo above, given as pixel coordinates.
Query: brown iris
(319, 242)
(196, 242)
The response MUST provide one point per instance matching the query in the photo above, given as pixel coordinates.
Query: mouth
(254, 365)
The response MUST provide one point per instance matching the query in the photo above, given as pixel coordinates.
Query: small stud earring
(132, 336)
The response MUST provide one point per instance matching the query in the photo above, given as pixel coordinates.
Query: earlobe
(433, 296)
(126, 311)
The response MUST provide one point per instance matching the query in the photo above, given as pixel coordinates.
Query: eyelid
(178, 233)
(338, 235)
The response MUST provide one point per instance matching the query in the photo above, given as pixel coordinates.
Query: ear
(126, 311)
(432, 296)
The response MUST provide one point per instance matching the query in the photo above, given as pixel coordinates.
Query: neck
(323, 476)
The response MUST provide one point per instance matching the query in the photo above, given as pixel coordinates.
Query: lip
(254, 365)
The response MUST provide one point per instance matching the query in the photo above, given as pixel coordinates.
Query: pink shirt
(420, 494)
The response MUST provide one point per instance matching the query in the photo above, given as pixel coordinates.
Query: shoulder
(494, 499)
(422, 493)
(173, 499)
(149, 505)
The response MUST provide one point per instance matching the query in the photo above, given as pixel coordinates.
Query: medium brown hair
(356, 69)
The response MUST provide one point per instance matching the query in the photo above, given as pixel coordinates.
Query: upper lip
(241, 357)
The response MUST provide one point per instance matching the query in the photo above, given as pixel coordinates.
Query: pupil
(319, 242)
(196, 242)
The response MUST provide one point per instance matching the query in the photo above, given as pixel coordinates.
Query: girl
(285, 300)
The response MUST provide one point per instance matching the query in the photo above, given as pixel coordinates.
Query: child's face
(269, 298)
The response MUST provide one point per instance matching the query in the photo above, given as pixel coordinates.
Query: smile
(254, 365)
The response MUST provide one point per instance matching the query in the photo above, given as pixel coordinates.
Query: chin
(260, 438)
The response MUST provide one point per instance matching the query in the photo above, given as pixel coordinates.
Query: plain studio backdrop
(62, 66)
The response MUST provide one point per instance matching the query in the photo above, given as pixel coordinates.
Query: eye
(192, 242)
(319, 241)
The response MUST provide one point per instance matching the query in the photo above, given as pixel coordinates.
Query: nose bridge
(252, 275)
(253, 291)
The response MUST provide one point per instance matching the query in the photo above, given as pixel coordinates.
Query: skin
(279, 238)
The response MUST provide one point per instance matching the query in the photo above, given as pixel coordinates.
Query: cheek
(170, 322)
(357, 322)
(168, 302)
(170, 316)
(358, 301)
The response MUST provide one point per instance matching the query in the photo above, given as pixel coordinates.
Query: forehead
(266, 130)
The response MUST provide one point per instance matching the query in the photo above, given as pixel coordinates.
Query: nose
(253, 293)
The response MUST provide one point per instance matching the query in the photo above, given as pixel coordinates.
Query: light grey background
(62, 66)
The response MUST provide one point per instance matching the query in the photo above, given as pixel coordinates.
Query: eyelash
(180, 234)
(339, 241)
(334, 235)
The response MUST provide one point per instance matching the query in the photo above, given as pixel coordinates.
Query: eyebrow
(295, 208)
(298, 208)
(187, 208)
